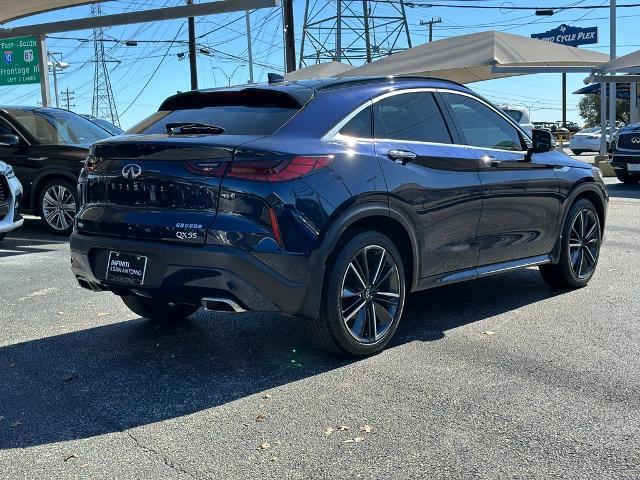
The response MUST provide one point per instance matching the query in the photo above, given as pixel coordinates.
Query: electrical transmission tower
(103, 104)
(352, 32)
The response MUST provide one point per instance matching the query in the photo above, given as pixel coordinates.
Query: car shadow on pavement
(624, 190)
(132, 373)
(32, 237)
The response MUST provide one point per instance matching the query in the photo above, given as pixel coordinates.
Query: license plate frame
(131, 269)
(633, 167)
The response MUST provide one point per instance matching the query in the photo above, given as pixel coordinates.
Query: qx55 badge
(131, 171)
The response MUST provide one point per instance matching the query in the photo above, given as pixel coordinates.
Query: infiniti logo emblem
(131, 171)
(635, 140)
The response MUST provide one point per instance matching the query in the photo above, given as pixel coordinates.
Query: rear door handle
(401, 156)
(489, 161)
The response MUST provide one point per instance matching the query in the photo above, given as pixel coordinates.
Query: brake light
(90, 164)
(279, 170)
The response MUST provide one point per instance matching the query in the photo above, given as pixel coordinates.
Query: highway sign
(19, 61)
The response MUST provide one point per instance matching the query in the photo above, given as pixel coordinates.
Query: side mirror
(543, 141)
(8, 139)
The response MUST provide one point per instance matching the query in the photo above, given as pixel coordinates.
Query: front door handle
(401, 156)
(489, 161)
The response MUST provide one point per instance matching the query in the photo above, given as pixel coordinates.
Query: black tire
(157, 311)
(331, 330)
(59, 220)
(563, 274)
(624, 177)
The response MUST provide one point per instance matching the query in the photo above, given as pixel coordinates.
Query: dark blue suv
(330, 200)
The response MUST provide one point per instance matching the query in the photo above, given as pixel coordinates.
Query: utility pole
(193, 66)
(249, 49)
(289, 38)
(44, 72)
(67, 98)
(431, 23)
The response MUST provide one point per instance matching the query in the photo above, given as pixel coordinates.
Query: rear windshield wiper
(177, 128)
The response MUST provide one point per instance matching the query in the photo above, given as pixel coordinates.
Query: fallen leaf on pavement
(267, 395)
(358, 439)
(343, 428)
(328, 431)
(366, 428)
(273, 459)
(488, 333)
(69, 457)
(261, 417)
(263, 446)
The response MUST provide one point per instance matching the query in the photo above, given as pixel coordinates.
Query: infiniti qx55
(330, 200)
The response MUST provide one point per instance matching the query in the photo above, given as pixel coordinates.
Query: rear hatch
(155, 187)
(165, 186)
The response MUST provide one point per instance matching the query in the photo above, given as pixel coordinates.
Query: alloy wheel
(370, 294)
(584, 243)
(58, 207)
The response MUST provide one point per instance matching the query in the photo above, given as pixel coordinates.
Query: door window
(5, 128)
(481, 126)
(410, 116)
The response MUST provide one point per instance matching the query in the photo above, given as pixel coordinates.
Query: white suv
(520, 115)
(10, 194)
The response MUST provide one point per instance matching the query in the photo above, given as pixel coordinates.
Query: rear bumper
(187, 274)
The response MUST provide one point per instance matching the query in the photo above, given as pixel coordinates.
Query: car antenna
(275, 78)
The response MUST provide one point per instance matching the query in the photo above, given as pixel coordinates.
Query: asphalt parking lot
(501, 378)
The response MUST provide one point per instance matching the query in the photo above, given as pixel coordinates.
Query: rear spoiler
(249, 97)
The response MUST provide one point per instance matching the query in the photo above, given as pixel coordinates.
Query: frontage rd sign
(572, 36)
(19, 61)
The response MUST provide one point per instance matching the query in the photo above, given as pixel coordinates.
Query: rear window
(249, 111)
(235, 119)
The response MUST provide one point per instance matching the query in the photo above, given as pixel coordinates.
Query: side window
(410, 116)
(481, 126)
(5, 128)
(359, 126)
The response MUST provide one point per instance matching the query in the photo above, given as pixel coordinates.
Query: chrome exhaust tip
(217, 304)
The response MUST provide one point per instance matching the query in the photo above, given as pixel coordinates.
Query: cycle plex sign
(571, 36)
(19, 61)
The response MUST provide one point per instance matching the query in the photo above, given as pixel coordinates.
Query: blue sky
(149, 72)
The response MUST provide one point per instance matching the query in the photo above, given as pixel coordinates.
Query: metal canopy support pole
(633, 102)
(612, 56)
(44, 72)
(249, 50)
(603, 118)
(564, 100)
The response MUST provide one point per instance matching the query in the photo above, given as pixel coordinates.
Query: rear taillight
(209, 169)
(90, 164)
(263, 170)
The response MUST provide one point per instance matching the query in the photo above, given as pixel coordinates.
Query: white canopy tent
(483, 56)
(12, 10)
(320, 70)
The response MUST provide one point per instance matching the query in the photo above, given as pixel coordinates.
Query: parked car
(520, 115)
(331, 200)
(572, 127)
(625, 153)
(588, 140)
(101, 122)
(47, 147)
(10, 193)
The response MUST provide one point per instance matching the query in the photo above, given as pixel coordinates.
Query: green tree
(589, 107)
